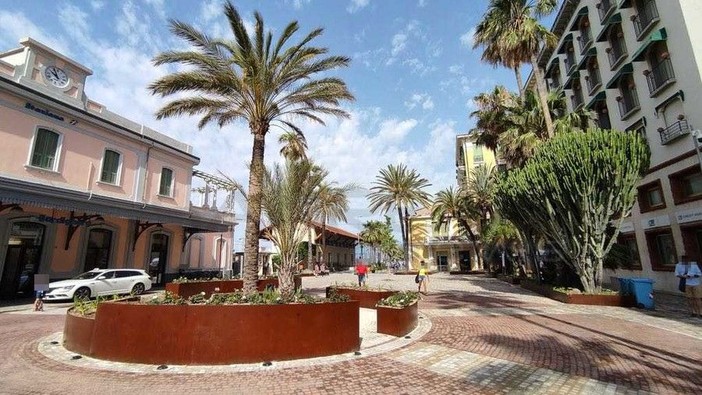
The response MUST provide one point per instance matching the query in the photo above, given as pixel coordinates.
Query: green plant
(335, 296)
(85, 307)
(400, 299)
(167, 298)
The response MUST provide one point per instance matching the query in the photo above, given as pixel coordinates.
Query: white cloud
(422, 3)
(15, 26)
(356, 5)
(456, 69)
(399, 43)
(211, 10)
(468, 38)
(75, 22)
(420, 99)
(97, 5)
(394, 131)
(299, 3)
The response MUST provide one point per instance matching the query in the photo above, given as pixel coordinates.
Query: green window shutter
(166, 182)
(110, 167)
(45, 149)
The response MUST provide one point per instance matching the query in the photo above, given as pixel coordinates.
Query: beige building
(636, 65)
(470, 155)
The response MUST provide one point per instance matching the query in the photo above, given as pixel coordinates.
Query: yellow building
(470, 155)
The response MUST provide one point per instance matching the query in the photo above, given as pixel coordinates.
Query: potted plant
(398, 314)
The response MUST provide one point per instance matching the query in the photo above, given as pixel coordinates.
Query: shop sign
(62, 220)
(655, 222)
(691, 215)
(43, 111)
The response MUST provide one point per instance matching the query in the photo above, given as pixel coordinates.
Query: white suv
(100, 282)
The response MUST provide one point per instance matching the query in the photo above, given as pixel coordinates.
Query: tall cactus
(573, 190)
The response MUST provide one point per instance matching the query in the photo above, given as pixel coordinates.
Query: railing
(576, 100)
(628, 102)
(585, 40)
(569, 63)
(660, 75)
(604, 8)
(593, 80)
(672, 132)
(643, 20)
(617, 52)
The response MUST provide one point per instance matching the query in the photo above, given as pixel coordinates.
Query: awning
(626, 69)
(583, 62)
(573, 77)
(602, 96)
(554, 63)
(567, 39)
(611, 21)
(582, 13)
(658, 35)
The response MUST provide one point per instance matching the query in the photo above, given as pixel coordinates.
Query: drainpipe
(146, 175)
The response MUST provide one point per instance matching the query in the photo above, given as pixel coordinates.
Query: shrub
(400, 299)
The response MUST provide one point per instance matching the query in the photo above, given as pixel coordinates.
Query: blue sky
(413, 73)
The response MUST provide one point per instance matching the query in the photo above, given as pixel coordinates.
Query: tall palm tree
(402, 189)
(332, 204)
(510, 28)
(480, 189)
(375, 233)
(254, 79)
(294, 145)
(491, 116)
(450, 205)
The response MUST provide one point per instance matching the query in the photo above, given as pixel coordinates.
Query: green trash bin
(642, 288)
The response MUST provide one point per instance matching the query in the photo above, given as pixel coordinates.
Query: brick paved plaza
(477, 335)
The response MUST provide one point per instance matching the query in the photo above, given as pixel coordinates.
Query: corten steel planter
(585, 299)
(205, 334)
(78, 333)
(397, 321)
(186, 290)
(367, 298)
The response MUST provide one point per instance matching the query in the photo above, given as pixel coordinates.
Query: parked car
(100, 282)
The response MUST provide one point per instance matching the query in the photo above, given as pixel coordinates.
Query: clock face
(56, 76)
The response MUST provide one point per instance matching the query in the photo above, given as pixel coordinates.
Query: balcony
(604, 8)
(647, 16)
(576, 99)
(628, 103)
(570, 63)
(594, 81)
(554, 83)
(674, 131)
(616, 53)
(660, 76)
(585, 40)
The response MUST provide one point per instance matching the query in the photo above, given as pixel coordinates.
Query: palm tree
(290, 193)
(491, 116)
(332, 204)
(511, 30)
(294, 145)
(449, 205)
(402, 189)
(480, 190)
(256, 80)
(375, 233)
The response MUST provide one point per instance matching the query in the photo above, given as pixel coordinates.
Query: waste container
(643, 292)
(625, 288)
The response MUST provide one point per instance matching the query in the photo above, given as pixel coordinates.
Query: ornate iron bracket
(74, 222)
(11, 207)
(140, 227)
(187, 234)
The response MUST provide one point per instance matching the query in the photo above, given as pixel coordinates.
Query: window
(97, 254)
(126, 273)
(110, 167)
(651, 197)
(662, 249)
(166, 185)
(478, 155)
(628, 241)
(686, 185)
(46, 149)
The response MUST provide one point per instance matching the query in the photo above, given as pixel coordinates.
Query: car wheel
(82, 293)
(138, 289)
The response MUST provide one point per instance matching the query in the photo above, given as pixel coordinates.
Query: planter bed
(188, 289)
(367, 298)
(585, 299)
(397, 321)
(213, 334)
(467, 272)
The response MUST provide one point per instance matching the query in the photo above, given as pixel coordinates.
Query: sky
(413, 73)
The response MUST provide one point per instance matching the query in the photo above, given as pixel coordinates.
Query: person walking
(361, 272)
(689, 273)
(423, 278)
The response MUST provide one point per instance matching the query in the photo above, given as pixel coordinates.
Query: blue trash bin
(643, 292)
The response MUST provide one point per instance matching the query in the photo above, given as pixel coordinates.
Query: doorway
(442, 262)
(22, 259)
(464, 260)
(158, 257)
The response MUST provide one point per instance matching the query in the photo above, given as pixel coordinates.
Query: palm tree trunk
(324, 240)
(253, 213)
(542, 93)
(474, 240)
(404, 235)
(310, 262)
(520, 83)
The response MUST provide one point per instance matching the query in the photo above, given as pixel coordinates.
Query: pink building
(82, 187)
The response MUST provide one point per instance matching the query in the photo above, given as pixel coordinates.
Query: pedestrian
(423, 278)
(689, 274)
(361, 272)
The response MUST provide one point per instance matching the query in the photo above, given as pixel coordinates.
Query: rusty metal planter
(397, 321)
(186, 290)
(207, 334)
(367, 298)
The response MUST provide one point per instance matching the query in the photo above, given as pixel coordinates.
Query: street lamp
(696, 137)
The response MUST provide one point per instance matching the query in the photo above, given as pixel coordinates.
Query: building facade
(468, 156)
(82, 187)
(636, 65)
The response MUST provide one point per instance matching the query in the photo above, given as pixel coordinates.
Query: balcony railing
(660, 75)
(593, 81)
(569, 63)
(585, 40)
(672, 132)
(604, 8)
(616, 53)
(576, 100)
(645, 18)
(628, 102)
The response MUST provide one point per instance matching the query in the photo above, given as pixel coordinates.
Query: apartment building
(468, 156)
(636, 65)
(82, 187)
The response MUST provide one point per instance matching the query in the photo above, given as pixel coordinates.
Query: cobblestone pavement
(484, 336)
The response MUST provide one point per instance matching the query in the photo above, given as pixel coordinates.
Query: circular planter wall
(186, 290)
(397, 321)
(206, 334)
(367, 298)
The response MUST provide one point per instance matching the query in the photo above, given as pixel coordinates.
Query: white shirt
(692, 270)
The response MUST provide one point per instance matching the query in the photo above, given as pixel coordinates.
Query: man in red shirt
(361, 272)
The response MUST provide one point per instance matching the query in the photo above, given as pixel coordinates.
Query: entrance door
(22, 259)
(464, 260)
(158, 257)
(442, 262)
